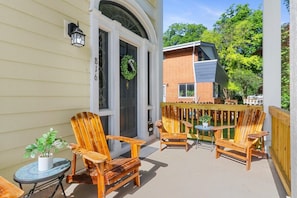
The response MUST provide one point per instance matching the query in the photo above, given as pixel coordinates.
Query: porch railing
(223, 114)
(281, 144)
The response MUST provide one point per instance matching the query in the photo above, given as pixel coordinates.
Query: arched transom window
(121, 14)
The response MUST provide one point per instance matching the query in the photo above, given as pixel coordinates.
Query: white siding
(43, 79)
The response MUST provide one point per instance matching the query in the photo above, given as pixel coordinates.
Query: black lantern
(76, 34)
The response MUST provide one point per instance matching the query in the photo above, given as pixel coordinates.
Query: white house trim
(271, 58)
(293, 97)
(116, 33)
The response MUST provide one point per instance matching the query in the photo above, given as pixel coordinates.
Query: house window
(103, 69)
(186, 90)
(202, 56)
(121, 14)
(149, 78)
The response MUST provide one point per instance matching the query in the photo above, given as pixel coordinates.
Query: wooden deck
(196, 173)
(176, 173)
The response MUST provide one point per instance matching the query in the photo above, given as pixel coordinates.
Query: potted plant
(204, 120)
(44, 147)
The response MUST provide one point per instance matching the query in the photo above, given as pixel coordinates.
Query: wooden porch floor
(176, 173)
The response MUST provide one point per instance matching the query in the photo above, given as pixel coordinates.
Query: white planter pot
(45, 163)
(205, 124)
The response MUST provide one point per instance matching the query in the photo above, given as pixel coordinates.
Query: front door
(128, 95)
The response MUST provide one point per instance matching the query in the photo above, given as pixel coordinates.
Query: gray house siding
(210, 71)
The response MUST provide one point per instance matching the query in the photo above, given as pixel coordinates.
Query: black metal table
(29, 174)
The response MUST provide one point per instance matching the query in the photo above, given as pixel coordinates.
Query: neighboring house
(45, 80)
(192, 73)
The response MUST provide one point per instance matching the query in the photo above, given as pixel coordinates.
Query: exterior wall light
(76, 34)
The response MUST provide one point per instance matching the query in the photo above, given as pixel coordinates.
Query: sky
(205, 12)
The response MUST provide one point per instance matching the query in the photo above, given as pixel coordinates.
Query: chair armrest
(187, 124)
(92, 156)
(95, 157)
(159, 124)
(218, 130)
(135, 143)
(258, 135)
(125, 139)
(76, 149)
(8, 189)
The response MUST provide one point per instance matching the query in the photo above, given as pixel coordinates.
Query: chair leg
(101, 189)
(217, 152)
(248, 158)
(100, 181)
(137, 179)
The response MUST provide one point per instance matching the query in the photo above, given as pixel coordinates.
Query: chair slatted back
(250, 121)
(170, 119)
(89, 133)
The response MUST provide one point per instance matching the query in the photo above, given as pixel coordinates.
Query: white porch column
(271, 59)
(293, 96)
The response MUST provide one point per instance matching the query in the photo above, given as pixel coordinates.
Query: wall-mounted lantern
(76, 34)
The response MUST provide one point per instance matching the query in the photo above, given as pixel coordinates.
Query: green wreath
(128, 67)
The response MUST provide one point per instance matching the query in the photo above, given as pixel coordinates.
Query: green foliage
(241, 37)
(238, 38)
(190, 93)
(212, 37)
(205, 118)
(287, 4)
(285, 68)
(179, 33)
(244, 82)
(47, 144)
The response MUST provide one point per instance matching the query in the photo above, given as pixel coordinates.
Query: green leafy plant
(205, 118)
(46, 145)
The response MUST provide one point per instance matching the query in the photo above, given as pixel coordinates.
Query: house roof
(206, 70)
(208, 48)
(210, 71)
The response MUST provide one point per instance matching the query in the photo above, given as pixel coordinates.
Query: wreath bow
(131, 62)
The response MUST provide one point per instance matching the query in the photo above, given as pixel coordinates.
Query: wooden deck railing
(281, 144)
(224, 114)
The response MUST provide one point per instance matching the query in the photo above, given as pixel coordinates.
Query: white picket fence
(253, 100)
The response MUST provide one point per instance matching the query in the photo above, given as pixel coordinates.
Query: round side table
(203, 128)
(29, 174)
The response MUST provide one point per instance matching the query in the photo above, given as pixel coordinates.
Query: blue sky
(205, 12)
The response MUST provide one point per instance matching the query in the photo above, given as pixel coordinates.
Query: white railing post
(271, 58)
(293, 96)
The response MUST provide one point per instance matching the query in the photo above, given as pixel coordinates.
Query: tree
(241, 38)
(244, 82)
(238, 37)
(287, 4)
(179, 33)
(285, 68)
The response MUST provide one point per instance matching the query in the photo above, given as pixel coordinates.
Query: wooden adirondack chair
(101, 169)
(9, 190)
(248, 132)
(170, 128)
